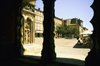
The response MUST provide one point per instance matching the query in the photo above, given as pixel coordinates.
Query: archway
(70, 41)
(11, 47)
(28, 26)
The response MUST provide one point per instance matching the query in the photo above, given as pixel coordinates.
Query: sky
(68, 9)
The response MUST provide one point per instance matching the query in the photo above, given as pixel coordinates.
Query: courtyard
(63, 48)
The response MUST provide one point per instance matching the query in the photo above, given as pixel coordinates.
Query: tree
(60, 29)
(74, 30)
(67, 30)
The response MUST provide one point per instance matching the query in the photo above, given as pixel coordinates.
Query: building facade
(84, 29)
(66, 22)
(33, 24)
(57, 22)
(79, 22)
(74, 22)
(38, 23)
(28, 23)
(11, 47)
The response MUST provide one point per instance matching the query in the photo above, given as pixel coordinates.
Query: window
(41, 18)
(41, 26)
(41, 13)
(35, 17)
(38, 17)
(38, 12)
(38, 26)
(35, 11)
(64, 21)
(35, 25)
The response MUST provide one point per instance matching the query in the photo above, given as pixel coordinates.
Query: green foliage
(67, 30)
(60, 29)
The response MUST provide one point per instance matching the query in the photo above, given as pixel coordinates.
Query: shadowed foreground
(29, 61)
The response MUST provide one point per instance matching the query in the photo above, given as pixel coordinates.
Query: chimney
(39, 9)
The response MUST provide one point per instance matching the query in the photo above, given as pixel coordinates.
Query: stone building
(38, 23)
(11, 49)
(84, 29)
(58, 22)
(34, 24)
(28, 26)
(66, 22)
(74, 22)
(79, 22)
(78, 28)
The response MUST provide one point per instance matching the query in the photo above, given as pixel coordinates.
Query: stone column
(18, 26)
(93, 58)
(33, 29)
(48, 51)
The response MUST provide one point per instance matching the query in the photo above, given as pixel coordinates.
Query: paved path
(63, 48)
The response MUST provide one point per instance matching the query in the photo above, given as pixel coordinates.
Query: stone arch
(28, 28)
(12, 49)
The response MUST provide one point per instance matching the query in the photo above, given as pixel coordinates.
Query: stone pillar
(33, 29)
(48, 51)
(31, 32)
(18, 26)
(93, 58)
